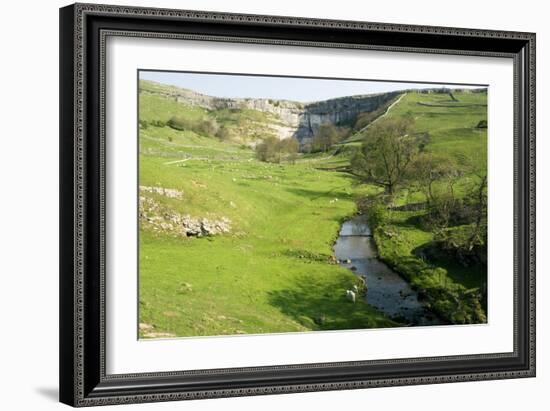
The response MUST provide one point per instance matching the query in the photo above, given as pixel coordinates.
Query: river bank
(387, 291)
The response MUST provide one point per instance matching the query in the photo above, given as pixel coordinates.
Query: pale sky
(280, 88)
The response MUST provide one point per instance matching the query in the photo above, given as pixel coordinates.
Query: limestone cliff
(298, 120)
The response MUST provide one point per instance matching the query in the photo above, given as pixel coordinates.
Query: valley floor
(273, 272)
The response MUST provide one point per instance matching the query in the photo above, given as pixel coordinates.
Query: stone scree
(161, 218)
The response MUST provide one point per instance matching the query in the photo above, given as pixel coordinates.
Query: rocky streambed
(386, 290)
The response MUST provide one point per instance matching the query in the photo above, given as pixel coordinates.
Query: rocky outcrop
(167, 192)
(342, 110)
(199, 227)
(156, 217)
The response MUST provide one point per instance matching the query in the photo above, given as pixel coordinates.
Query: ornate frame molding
(83, 378)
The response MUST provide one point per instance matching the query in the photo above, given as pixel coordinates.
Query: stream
(386, 290)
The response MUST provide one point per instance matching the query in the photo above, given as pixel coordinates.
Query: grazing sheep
(350, 295)
(355, 288)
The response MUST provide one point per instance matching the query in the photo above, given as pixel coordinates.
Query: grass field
(274, 270)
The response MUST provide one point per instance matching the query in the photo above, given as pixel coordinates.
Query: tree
(326, 136)
(265, 150)
(478, 200)
(468, 242)
(273, 150)
(476, 166)
(389, 147)
(435, 175)
(289, 148)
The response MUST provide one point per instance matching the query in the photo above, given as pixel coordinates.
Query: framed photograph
(261, 204)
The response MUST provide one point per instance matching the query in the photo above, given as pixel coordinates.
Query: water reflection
(388, 291)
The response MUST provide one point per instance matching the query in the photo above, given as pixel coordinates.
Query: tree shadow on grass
(319, 303)
(307, 255)
(471, 276)
(420, 222)
(313, 195)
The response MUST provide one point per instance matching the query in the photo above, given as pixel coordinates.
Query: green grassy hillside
(240, 125)
(451, 124)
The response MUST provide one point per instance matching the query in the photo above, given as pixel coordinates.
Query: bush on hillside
(273, 150)
(482, 124)
(158, 123)
(223, 133)
(376, 214)
(208, 127)
(144, 124)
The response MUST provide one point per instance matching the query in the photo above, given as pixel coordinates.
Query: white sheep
(350, 295)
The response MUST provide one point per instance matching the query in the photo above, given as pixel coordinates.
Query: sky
(280, 88)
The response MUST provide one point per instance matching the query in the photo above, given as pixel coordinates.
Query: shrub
(273, 150)
(376, 214)
(466, 244)
(482, 124)
(388, 151)
(178, 123)
(223, 133)
(208, 127)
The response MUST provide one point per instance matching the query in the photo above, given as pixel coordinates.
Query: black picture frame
(83, 30)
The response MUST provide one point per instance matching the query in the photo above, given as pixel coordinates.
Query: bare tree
(325, 137)
(479, 197)
(435, 175)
